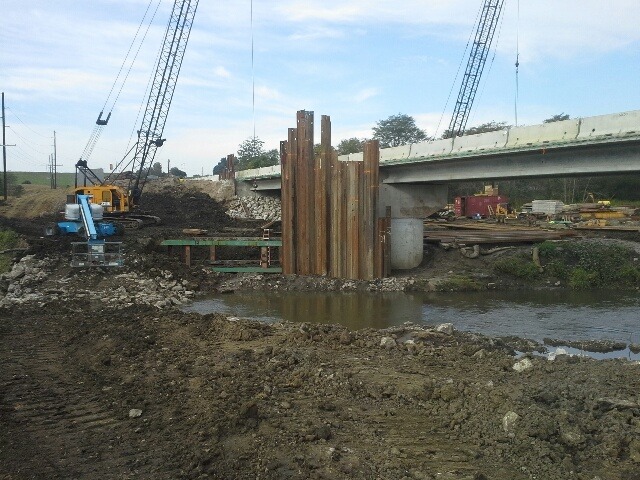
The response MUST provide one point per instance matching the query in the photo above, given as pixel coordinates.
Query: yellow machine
(113, 198)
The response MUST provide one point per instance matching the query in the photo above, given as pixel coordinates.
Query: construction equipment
(82, 217)
(487, 23)
(119, 193)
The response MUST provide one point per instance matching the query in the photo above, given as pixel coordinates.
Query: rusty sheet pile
(329, 208)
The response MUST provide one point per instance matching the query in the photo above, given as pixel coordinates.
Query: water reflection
(354, 310)
(566, 315)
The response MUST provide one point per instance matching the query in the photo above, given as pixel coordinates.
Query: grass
(43, 178)
(590, 265)
(518, 266)
(8, 239)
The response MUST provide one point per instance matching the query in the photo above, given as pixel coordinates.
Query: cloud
(366, 94)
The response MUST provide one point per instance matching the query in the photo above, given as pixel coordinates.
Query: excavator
(119, 193)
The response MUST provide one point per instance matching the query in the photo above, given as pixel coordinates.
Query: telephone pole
(55, 163)
(4, 150)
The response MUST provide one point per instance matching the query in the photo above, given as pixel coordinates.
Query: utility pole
(4, 150)
(168, 164)
(55, 163)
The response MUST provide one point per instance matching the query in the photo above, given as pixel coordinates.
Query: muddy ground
(97, 382)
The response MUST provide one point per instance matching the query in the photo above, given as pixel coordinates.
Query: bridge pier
(412, 200)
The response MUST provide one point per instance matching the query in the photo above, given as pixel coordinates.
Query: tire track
(55, 423)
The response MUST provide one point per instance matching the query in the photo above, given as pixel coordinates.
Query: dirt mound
(184, 207)
(35, 201)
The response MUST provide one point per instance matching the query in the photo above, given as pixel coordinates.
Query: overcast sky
(358, 61)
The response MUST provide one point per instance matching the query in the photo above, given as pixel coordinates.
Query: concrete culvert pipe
(406, 243)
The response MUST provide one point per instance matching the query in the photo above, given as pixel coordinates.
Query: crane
(487, 23)
(115, 198)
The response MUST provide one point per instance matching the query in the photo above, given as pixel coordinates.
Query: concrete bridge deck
(604, 144)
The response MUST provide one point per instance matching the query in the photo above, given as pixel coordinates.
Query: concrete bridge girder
(578, 161)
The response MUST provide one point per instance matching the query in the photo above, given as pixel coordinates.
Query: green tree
(398, 130)
(557, 118)
(251, 154)
(219, 168)
(251, 148)
(350, 145)
(176, 172)
(156, 169)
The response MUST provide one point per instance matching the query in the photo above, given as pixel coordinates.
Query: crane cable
(129, 52)
(455, 80)
(253, 78)
(517, 63)
(101, 123)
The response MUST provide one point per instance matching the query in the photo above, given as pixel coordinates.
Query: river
(565, 315)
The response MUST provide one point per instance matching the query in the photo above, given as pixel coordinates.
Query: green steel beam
(230, 242)
(247, 269)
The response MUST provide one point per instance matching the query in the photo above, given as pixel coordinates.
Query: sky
(358, 61)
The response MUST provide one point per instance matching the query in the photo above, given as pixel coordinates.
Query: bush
(581, 279)
(630, 275)
(519, 267)
(589, 264)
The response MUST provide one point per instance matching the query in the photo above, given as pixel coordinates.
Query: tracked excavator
(119, 193)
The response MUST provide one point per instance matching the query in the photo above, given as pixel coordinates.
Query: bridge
(600, 145)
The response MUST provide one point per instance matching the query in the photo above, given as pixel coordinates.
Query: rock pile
(31, 281)
(265, 208)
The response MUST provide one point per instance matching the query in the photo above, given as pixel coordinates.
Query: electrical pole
(55, 163)
(168, 164)
(4, 150)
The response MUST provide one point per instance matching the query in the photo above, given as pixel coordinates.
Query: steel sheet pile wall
(329, 208)
(229, 172)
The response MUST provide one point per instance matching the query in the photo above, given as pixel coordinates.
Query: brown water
(566, 315)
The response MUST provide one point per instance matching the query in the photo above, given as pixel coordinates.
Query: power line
(27, 142)
(20, 120)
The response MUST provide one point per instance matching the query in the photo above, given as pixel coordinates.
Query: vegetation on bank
(8, 240)
(581, 265)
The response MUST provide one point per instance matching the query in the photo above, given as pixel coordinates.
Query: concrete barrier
(395, 153)
(480, 142)
(554, 132)
(618, 125)
(262, 172)
(431, 149)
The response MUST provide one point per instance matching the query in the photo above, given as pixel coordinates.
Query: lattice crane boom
(487, 23)
(161, 92)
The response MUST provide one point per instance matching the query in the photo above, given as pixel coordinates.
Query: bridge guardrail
(620, 126)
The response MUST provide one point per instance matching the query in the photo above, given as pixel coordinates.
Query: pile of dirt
(184, 207)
